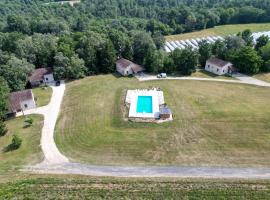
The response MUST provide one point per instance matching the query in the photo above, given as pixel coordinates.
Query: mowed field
(29, 152)
(215, 124)
(221, 31)
(263, 76)
(42, 95)
(79, 187)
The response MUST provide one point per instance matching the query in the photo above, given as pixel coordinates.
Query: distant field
(263, 77)
(215, 124)
(221, 30)
(29, 152)
(42, 95)
(67, 187)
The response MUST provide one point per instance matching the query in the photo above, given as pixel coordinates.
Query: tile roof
(218, 62)
(38, 74)
(124, 63)
(15, 98)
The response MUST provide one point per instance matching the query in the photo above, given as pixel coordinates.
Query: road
(56, 163)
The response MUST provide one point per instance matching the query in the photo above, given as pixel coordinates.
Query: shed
(165, 113)
(218, 66)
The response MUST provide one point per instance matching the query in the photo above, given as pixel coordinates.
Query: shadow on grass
(9, 148)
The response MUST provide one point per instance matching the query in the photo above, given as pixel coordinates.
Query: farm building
(126, 67)
(21, 100)
(165, 113)
(218, 66)
(41, 76)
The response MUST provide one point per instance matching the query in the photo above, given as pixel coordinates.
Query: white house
(126, 67)
(41, 76)
(21, 100)
(218, 66)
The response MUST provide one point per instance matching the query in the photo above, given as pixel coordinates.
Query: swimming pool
(144, 104)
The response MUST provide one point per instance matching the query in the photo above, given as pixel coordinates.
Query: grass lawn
(206, 74)
(29, 152)
(215, 124)
(78, 187)
(263, 76)
(42, 95)
(220, 30)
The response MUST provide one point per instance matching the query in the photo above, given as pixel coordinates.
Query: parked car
(57, 83)
(162, 75)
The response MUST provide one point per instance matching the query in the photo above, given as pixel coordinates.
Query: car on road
(57, 83)
(162, 75)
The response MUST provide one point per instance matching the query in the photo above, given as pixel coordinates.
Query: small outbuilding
(21, 100)
(165, 113)
(41, 76)
(126, 67)
(219, 67)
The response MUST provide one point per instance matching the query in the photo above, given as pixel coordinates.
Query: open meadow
(223, 30)
(29, 152)
(215, 124)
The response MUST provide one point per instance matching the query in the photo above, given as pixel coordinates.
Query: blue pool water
(144, 104)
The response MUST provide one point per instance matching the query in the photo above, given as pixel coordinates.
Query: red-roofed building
(21, 100)
(219, 67)
(41, 76)
(126, 67)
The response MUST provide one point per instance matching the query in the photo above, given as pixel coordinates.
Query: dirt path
(56, 163)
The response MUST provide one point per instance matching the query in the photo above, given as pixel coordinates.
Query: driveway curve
(56, 163)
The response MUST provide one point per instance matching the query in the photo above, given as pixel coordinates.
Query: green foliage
(16, 72)
(246, 35)
(261, 41)
(247, 60)
(4, 90)
(155, 61)
(28, 121)
(185, 60)
(265, 54)
(205, 50)
(3, 128)
(15, 144)
(142, 45)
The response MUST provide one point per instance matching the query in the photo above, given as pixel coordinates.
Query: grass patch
(42, 95)
(263, 76)
(70, 187)
(215, 124)
(29, 152)
(223, 30)
(206, 74)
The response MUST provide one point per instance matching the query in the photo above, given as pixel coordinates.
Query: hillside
(220, 31)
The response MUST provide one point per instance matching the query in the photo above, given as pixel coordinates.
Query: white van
(162, 75)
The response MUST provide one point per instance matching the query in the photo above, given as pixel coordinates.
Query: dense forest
(87, 38)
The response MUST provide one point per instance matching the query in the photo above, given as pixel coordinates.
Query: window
(47, 79)
(223, 70)
(208, 66)
(25, 105)
(217, 70)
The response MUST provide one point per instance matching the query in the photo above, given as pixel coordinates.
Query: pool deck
(132, 98)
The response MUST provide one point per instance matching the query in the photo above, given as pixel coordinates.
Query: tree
(185, 60)
(3, 128)
(76, 68)
(261, 41)
(159, 40)
(142, 44)
(61, 63)
(155, 60)
(17, 23)
(246, 35)
(265, 54)
(219, 49)
(247, 60)
(4, 91)
(16, 72)
(205, 51)
(234, 42)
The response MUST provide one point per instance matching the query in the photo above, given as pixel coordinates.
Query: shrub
(28, 121)
(3, 128)
(15, 143)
